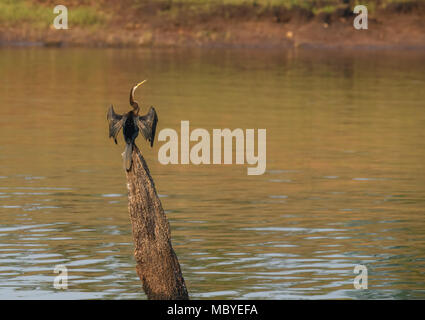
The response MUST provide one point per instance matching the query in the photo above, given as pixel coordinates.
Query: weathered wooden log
(157, 264)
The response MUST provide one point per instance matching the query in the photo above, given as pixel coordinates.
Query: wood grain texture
(157, 264)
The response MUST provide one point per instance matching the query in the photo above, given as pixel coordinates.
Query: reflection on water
(344, 183)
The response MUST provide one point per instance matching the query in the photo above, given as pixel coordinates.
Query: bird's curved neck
(133, 102)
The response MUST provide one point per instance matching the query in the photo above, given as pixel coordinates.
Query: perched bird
(132, 123)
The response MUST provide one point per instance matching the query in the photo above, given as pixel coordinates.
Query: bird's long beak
(139, 84)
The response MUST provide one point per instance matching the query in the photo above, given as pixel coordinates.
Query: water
(344, 183)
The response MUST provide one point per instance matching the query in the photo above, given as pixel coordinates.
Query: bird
(132, 123)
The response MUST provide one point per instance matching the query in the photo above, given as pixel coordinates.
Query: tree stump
(157, 264)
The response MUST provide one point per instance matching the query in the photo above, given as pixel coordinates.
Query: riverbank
(132, 23)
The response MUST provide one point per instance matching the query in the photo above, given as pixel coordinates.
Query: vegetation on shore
(40, 15)
(143, 22)
(84, 13)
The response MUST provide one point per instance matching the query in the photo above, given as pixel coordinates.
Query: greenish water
(344, 183)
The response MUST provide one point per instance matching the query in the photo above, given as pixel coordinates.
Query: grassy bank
(83, 13)
(206, 22)
(40, 14)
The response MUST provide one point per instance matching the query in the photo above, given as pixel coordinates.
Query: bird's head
(133, 102)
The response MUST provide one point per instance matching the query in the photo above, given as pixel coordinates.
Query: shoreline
(225, 46)
(395, 29)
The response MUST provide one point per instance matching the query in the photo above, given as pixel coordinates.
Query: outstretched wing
(147, 125)
(116, 122)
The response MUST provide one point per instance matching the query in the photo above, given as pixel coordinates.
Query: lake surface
(344, 185)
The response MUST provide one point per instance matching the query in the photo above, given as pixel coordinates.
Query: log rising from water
(157, 264)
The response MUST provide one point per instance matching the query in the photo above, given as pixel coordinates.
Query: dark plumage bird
(132, 123)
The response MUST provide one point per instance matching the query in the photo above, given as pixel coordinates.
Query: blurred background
(214, 23)
(344, 183)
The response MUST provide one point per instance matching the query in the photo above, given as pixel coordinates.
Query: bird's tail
(127, 155)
